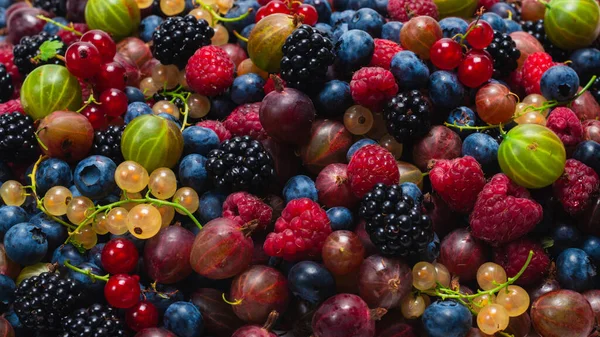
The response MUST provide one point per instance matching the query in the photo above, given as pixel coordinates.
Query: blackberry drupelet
(394, 222)
(96, 321)
(536, 28)
(407, 116)
(505, 54)
(108, 143)
(28, 48)
(307, 54)
(241, 163)
(6, 85)
(595, 89)
(58, 7)
(42, 301)
(17, 137)
(165, 97)
(178, 38)
(517, 7)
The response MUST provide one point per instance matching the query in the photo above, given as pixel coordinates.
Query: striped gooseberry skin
(572, 24)
(50, 88)
(152, 142)
(532, 156)
(267, 39)
(495, 104)
(119, 18)
(460, 8)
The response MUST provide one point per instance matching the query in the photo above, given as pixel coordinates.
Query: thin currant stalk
(91, 275)
(68, 28)
(218, 18)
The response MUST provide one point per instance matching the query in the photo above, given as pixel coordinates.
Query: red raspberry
(576, 186)
(243, 207)
(384, 52)
(513, 255)
(6, 58)
(372, 87)
(403, 10)
(371, 164)
(209, 71)
(503, 212)
(458, 182)
(534, 67)
(300, 232)
(217, 127)
(69, 37)
(565, 123)
(10, 106)
(245, 121)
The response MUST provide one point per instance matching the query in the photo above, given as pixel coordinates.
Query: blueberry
(447, 319)
(341, 17)
(56, 233)
(495, 20)
(6, 3)
(25, 244)
(482, 147)
(95, 255)
(211, 206)
(134, 95)
(67, 252)
(51, 28)
(7, 290)
(221, 106)
(184, 319)
(246, 33)
(199, 140)
(445, 90)
(433, 250)
(163, 297)
(311, 282)
(368, 20)
(358, 4)
(354, 49)
(85, 282)
(325, 29)
(462, 116)
(586, 62)
(413, 191)
(575, 270)
(588, 152)
(391, 31)
(334, 99)
(192, 172)
(136, 109)
(300, 186)
(591, 245)
(52, 172)
(502, 9)
(356, 146)
(512, 26)
(148, 26)
(409, 70)
(559, 83)
(564, 236)
(323, 9)
(239, 8)
(247, 88)
(382, 6)
(94, 176)
(341, 219)
(452, 26)
(10, 216)
(74, 191)
(171, 118)
(339, 30)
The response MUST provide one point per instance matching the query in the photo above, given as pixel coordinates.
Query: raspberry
(209, 71)
(371, 164)
(69, 37)
(384, 52)
(576, 186)
(10, 106)
(458, 182)
(565, 123)
(403, 10)
(503, 212)
(7, 58)
(217, 127)
(243, 207)
(512, 258)
(533, 68)
(245, 121)
(372, 87)
(300, 232)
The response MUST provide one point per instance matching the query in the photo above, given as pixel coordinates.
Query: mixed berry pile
(312, 168)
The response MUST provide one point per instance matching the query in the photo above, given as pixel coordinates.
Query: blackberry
(394, 222)
(595, 89)
(6, 86)
(165, 97)
(505, 54)
(58, 7)
(307, 54)
(407, 116)
(108, 143)
(178, 38)
(42, 301)
(17, 137)
(28, 48)
(241, 163)
(536, 28)
(517, 7)
(96, 321)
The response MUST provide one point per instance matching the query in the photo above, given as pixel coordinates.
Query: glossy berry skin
(103, 42)
(83, 60)
(25, 244)
(343, 315)
(410, 71)
(94, 177)
(119, 256)
(588, 152)
(111, 75)
(368, 20)
(10, 216)
(141, 316)
(341, 219)
(184, 319)
(447, 319)
(476, 69)
(575, 270)
(482, 147)
(311, 282)
(481, 34)
(446, 54)
(95, 116)
(113, 102)
(445, 89)
(310, 14)
(559, 83)
(122, 291)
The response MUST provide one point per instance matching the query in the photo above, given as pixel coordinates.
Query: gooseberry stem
(236, 302)
(464, 36)
(37, 138)
(91, 275)
(240, 36)
(554, 103)
(466, 127)
(68, 28)
(218, 17)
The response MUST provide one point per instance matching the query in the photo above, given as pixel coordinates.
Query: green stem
(545, 3)
(91, 275)
(505, 334)
(70, 29)
(218, 17)
(554, 103)
(37, 137)
(239, 36)
(477, 128)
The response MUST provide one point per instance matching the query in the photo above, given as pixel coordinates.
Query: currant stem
(240, 36)
(37, 138)
(68, 28)
(218, 17)
(477, 128)
(91, 275)
(237, 302)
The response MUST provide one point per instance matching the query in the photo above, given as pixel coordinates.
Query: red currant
(446, 54)
(96, 116)
(119, 256)
(122, 291)
(83, 60)
(103, 42)
(481, 35)
(114, 102)
(112, 75)
(141, 316)
(310, 14)
(275, 7)
(476, 68)
(260, 14)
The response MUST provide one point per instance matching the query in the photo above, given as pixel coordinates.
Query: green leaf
(78, 246)
(49, 49)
